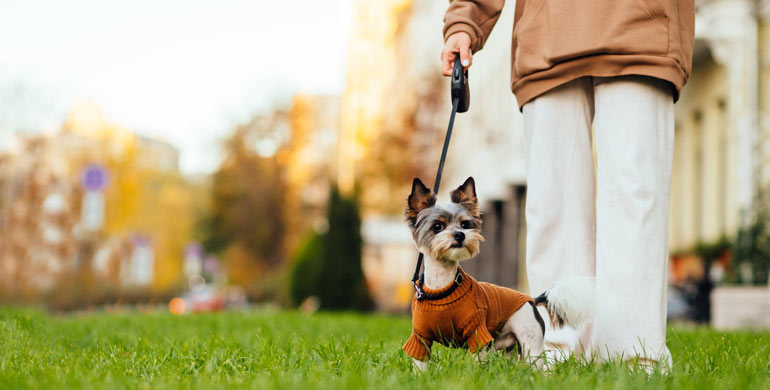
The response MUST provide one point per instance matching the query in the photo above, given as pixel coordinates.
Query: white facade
(723, 120)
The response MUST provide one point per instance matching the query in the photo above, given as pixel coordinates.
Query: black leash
(461, 100)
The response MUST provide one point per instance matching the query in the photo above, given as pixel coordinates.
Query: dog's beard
(444, 246)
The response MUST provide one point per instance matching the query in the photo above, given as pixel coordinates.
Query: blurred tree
(329, 265)
(751, 248)
(342, 283)
(306, 269)
(245, 220)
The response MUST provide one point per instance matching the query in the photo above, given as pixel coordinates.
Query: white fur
(525, 327)
(439, 274)
(420, 365)
(573, 300)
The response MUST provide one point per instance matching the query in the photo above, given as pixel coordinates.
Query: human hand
(459, 42)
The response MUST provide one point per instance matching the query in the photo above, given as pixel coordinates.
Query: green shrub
(751, 248)
(306, 269)
(329, 265)
(342, 278)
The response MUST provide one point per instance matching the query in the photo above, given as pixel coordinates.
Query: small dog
(453, 309)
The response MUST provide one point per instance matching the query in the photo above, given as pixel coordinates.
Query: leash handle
(461, 100)
(460, 89)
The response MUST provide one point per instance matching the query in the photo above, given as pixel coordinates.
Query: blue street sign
(94, 177)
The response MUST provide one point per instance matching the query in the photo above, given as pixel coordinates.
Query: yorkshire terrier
(452, 308)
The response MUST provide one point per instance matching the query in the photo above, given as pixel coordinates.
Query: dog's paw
(420, 366)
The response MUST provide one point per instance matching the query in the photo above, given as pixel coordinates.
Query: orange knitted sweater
(471, 316)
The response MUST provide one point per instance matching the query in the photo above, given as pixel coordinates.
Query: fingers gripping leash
(461, 100)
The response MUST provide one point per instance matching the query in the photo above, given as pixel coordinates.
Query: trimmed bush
(329, 265)
(306, 269)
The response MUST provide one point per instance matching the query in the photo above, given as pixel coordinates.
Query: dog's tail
(570, 301)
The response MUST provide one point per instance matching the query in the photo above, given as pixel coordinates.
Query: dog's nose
(459, 236)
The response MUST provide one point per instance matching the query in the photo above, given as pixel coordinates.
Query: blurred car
(205, 299)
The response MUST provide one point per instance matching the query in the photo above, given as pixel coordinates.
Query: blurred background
(200, 156)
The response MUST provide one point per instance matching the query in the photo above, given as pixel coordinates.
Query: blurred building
(44, 246)
(157, 154)
(722, 142)
(396, 104)
(37, 219)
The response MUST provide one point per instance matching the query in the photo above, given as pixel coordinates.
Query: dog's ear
(420, 198)
(465, 195)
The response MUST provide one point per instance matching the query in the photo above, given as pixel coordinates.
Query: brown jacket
(556, 41)
(472, 315)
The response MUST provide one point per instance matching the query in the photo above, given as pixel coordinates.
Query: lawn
(279, 349)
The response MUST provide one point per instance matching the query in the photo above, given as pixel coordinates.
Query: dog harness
(471, 315)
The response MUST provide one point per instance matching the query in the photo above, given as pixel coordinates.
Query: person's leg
(560, 214)
(634, 125)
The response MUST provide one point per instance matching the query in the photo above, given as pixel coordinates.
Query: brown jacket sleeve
(475, 17)
(418, 346)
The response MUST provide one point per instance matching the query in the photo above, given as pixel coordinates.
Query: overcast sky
(181, 70)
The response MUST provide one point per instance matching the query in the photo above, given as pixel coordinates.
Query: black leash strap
(461, 100)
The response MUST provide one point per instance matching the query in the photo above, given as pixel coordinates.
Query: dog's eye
(437, 227)
(465, 225)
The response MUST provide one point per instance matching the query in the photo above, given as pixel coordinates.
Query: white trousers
(613, 225)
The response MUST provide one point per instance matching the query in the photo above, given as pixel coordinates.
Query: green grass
(274, 349)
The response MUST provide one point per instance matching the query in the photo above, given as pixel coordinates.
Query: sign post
(93, 179)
